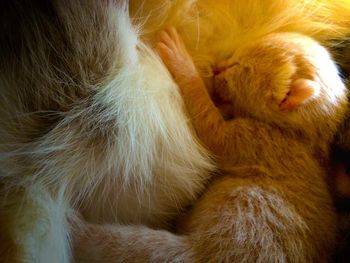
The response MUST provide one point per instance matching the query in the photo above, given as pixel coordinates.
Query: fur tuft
(89, 112)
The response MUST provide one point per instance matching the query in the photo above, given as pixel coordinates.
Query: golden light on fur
(96, 146)
(254, 141)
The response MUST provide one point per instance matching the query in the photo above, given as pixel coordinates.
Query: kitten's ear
(301, 90)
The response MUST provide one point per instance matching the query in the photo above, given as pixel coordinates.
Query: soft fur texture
(92, 123)
(264, 209)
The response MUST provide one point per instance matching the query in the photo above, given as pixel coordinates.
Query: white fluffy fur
(42, 227)
(125, 153)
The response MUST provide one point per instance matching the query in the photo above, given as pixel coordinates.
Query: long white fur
(144, 168)
(148, 165)
(43, 228)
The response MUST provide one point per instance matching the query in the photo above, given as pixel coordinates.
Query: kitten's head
(287, 79)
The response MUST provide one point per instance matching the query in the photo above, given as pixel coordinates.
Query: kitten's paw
(167, 46)
(173, 52)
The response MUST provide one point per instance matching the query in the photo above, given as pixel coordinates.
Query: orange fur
(93, 124)
(267, 205)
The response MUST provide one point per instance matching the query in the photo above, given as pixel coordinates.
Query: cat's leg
(236, 220)
(240, 220)
(33, 226)
(133, 243)
(211, 127)
(204, 115)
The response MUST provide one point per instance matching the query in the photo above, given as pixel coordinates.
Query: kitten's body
(267, 205)
(92, 123)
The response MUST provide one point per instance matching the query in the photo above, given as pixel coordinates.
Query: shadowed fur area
(99, 154)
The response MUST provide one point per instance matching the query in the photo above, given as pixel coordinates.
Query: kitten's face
(285, 78)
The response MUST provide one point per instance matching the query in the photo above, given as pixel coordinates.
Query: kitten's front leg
(207, 120)
(175, 56)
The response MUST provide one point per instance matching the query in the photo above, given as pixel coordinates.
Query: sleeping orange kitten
(91, 123)
(271, 203)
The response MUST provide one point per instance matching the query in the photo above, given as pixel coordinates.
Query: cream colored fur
(91, 122)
